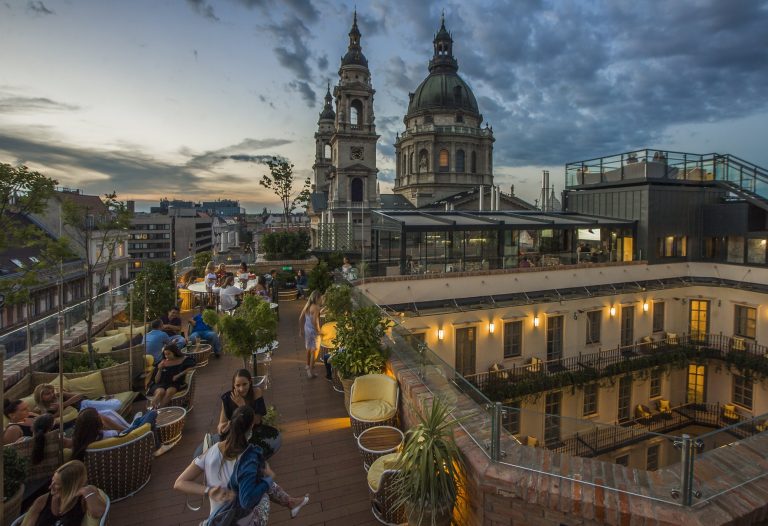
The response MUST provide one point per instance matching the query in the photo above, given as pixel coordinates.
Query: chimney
(131, 205)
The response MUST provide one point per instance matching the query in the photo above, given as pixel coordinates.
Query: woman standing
(68, 501)
(254, 476)
(309, 327)
(169, 375)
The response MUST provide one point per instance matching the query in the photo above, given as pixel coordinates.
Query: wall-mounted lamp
(491, 327)
(440, 334)
(612, 311)
(646, 306)
(536, 321)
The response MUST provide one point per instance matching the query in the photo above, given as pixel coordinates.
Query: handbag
(207, 443)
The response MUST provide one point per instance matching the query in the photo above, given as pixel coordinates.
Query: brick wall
(502, 494)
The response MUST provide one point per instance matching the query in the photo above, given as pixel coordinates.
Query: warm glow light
(645, 306)
(536, 321)
(612, 311)
(491, 327)
(440, 334)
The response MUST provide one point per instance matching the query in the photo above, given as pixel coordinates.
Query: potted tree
(430, 466)
(337, 301)
(359, 336)
(15, 472)
(252, 326)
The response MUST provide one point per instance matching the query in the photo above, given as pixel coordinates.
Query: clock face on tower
(356, 153)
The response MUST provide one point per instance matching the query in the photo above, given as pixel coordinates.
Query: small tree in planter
(337, 301)
(157, 280)
(14, 474)
(359, 336)
(430, 468)
(319, 278)
(199, 261)
(252, 326)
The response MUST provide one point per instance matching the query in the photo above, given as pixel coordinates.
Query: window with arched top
(473, 162)
(356, 113)
(460, 161)
(356, 190)
(443, 160)
(327, 151)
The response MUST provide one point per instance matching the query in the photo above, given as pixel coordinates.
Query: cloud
(14, 104)
(305, 90)
(39, 8)
(237, 152)
(202, 8)
(293, 53)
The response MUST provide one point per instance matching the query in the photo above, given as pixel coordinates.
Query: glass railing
(673, 470)
(106, 306)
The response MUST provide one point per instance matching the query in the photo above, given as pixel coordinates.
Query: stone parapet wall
(504, 494)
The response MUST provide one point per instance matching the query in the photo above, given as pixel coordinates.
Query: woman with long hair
(244, 393)
(256, 486)
(89, 428)
(309, 327)
(40, 428)
(170, 373)
(20, 418)
(46, 400)
(70, 499)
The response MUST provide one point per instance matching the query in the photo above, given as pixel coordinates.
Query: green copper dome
(443, 91)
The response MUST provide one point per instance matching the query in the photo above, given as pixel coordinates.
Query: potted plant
(359, 336)
(15, 472)
(252, 326)
(430, 468)
(338, 301)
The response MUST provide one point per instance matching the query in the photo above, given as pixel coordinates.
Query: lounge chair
(373, 401)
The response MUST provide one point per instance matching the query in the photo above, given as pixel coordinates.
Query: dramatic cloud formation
(236, 152)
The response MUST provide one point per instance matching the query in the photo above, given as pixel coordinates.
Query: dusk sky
(181, 99)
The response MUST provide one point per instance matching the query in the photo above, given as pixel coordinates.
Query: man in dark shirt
(172, 326)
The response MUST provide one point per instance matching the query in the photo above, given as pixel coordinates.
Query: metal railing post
(496, 432)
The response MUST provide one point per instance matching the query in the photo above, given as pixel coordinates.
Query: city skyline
(183, 99)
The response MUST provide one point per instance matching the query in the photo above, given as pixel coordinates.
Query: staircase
(742, 178)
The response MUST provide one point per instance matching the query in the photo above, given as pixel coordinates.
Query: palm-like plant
(430, 467)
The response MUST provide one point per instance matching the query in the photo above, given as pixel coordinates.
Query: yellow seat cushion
(91, 386)
(106, 343)
(379, 466)
(112, 332)
(664, 406)
(729, 411)
(125, 397)
(374, 387)
(372, 410)
(137, 329)
(117, 441)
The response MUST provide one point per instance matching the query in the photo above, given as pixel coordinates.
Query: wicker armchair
(200, 353)
(186, 397)
(40, 474)
(373, 402)
(121, 466)
(380, 485)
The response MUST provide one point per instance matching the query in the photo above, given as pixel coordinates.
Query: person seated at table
(155, 340)
(302, 283)
(221, 273)
(260, 288)
(20, 418)
(69, 500)
(229, 295)
(245, 393)
(172, 326)
(273, 284)
(346, 266)
(169, 375)
(243, 275)
(210, 275)
(203, 331)
(90, 428)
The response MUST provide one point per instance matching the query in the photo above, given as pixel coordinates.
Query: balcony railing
(540, 375)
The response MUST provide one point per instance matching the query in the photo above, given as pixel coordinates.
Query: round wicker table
(170, 424)
(378, 441)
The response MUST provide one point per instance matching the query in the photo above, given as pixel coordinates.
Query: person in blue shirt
(155, 340)
(302, 283)
(205, 332)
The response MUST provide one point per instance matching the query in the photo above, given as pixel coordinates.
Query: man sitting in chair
(200, 329)
(229, 295)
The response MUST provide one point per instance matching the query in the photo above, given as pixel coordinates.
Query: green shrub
(359, 337)
(338, 301)
(160, 290)
(319, 278)
(15, 471)
(200, 260)
(79, 364)
(285, 245)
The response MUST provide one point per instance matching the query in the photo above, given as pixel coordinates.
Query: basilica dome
(443, 91)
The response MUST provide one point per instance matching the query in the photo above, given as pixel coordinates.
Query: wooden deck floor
(319, 454)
